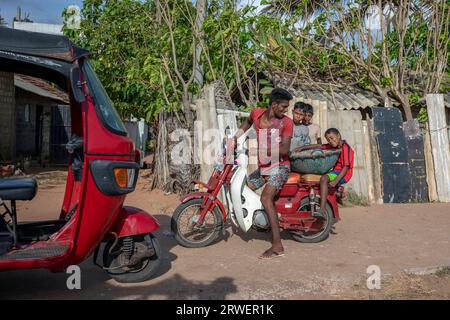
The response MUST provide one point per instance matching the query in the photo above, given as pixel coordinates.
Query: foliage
(422, 117)
(133, 56)
(355, 199)
(403, 54)
(145, 52)
(121, 36)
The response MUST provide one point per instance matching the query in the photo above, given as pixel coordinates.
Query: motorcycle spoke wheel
(192, 232)
(321, 227)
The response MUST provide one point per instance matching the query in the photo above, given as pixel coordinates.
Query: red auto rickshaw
(103, 168)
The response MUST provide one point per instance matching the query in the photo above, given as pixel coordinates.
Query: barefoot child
(341, 172)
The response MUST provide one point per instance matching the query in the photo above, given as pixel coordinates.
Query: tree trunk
(187, 100)
(169, 175)
(199, 20)
(407, 108)
(404, 101)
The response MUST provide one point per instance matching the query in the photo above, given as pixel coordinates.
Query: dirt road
(412, 237)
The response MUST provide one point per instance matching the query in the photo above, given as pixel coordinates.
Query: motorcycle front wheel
(187, 232)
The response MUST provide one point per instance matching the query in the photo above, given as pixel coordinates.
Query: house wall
(26, 131)
(7, 103)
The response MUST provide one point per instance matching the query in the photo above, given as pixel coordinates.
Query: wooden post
(369, 162)
(440, 144)
(202, 124)
(376, 162)
(431, 179)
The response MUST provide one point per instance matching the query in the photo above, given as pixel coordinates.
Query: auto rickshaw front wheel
(132, 259)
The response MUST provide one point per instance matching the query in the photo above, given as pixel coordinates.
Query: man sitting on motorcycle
(274, 132)
(341, 172)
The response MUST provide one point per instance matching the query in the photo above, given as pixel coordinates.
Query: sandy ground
(408, 243)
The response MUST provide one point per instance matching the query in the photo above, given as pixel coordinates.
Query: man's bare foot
(271, 253)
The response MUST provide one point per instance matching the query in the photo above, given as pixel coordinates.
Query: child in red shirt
(342, 171)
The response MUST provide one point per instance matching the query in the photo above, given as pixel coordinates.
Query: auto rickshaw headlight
(114, 177)
(124, 177)
(121, 177)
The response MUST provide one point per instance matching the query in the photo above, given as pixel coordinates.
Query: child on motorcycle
(341, 172)
(274, 132)
(301, 132)
(314, 129)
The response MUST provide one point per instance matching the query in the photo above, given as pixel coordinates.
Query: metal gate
(417, 167)
(61, 131)
(393, 150)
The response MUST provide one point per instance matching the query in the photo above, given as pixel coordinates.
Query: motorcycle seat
(294, 178)
(311, 178)
(18, 189)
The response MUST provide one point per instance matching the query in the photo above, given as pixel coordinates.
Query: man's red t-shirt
(345, 159)
(280, 128)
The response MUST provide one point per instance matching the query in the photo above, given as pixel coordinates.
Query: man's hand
(232, 143)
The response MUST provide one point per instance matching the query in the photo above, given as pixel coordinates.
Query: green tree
(153, 56)
(406, 53)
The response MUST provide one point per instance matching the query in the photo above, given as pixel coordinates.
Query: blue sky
(49, 11)
(44, 11)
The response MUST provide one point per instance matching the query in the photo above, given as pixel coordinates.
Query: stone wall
(223, 99)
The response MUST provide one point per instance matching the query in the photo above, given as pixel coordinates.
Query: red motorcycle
(200, 217)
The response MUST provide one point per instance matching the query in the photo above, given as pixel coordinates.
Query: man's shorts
(277, 177)
(333, 175)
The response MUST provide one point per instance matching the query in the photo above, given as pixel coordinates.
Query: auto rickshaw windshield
(103, 104)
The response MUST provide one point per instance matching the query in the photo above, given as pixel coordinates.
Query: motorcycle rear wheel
(191, 238)
(315, 237)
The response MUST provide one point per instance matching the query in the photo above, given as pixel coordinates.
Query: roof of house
(337, 97)
(41, 88)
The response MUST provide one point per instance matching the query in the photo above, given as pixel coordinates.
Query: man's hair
(307, 108)
(304, 106)
(279, 94)
(332, 130)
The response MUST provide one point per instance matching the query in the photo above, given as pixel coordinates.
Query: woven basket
(316, 161)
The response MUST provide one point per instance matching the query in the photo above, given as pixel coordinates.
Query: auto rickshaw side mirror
(75, 81)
